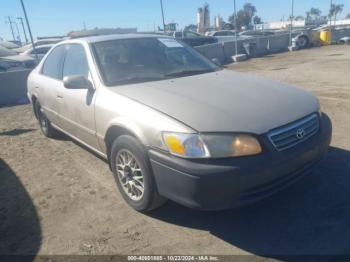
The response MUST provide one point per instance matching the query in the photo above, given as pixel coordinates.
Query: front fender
(128, 124)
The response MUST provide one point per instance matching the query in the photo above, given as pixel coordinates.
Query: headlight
(216, 146)
(232, 145)
(185, 145)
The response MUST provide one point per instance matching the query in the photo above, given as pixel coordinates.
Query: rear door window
(53, 64)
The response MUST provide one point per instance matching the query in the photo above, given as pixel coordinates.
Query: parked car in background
(344, 40)
(8, 45)
(40, 50)
(18, 61)
(6, 52)
(227, 36)
(173, 125)
(221, 33)
(10, 65)
(256, 33)
(48, 41)
(194, 39)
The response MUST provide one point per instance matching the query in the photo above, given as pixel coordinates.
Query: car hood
(224, 101)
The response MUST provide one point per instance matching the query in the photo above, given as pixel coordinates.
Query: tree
(191, 28)
(244, 16)
(299, 18)
(227, 26)
(250, 11)
(335, 10)
(257, 20)
(242, 20)
(348, 16)
(315, 12)
(308, 15)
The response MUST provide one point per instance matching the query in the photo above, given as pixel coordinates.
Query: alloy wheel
(130, 175)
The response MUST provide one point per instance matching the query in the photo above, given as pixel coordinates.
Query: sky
(58, 17)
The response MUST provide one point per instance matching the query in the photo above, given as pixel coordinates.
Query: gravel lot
(57, 198)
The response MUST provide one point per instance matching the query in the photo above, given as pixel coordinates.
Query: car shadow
(310, 218)
(16, 132)
(20, 231)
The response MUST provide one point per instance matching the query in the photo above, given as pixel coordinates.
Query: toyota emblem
(300, 133)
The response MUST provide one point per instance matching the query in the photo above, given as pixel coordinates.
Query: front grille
(295, 133)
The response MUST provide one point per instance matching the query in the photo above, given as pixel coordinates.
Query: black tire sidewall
(305, 40)
(39, 115)
(50, 132)
(136, 148)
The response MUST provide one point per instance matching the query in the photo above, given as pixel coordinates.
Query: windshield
(126, 61)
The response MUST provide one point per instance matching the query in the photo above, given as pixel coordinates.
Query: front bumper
(215, 184)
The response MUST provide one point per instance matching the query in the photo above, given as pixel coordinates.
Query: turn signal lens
(174, 144)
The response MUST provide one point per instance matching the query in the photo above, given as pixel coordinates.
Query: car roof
(102, 38)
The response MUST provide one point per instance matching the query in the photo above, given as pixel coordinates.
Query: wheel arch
(117, 130)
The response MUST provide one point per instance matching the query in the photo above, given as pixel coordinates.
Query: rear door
(49, 81)
(76, 106)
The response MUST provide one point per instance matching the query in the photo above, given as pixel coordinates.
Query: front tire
(133, 174)
(44, 123)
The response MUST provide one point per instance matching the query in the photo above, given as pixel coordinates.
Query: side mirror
(216, 61)
(77, 82)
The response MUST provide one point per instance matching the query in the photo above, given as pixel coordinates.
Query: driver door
(76, 106)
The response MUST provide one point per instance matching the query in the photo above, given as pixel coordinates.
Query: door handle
(36, 87)
(59, 96)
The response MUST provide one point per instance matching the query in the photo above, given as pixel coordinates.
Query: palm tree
(250, 11)
(307, 16)
(315, 12)
(257, 20)
(335, 10)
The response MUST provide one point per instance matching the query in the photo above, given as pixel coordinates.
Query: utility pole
(24, 29)
(236, 44)
(291, 25)
(162, 8)
(30, 31)
(18, 34)
(11, 26)
(330, 22)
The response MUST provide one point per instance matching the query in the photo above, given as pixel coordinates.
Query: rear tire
(44, 123)
(133, 174)
(303, 42)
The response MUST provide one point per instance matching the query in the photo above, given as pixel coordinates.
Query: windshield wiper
(189, 72)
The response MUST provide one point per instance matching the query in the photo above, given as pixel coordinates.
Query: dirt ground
(56, 198)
